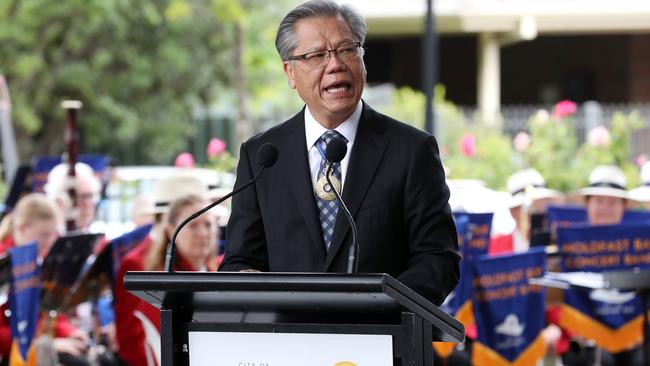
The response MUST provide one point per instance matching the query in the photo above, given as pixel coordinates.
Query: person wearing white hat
(528, 195)
(606, 195)
(606, 200)
(642, 193)
(87, 190)
(133, 340)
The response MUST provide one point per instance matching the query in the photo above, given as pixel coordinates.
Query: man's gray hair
(285, 40)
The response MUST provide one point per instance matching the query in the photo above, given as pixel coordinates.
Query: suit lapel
(297, 171)
(367, 152)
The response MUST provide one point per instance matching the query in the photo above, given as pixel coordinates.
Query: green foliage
(407, 105)
(270, 97)
(223, 162)
(472, 150)
(552, 150)
(489, 162)
(139, 66)
(616, 152)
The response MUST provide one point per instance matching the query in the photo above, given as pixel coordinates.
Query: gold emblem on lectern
(345, 363)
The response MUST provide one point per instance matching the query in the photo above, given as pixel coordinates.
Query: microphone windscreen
(267, 155)
(336, 150)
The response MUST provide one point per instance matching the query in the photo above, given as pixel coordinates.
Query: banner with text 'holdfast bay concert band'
(473, 240)
(24, 303)
(613, 319)
(508, 310)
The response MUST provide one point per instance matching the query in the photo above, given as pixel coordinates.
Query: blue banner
(565, 216)
(611, 318)
(473, 239)
(473, 243)
(636, 215)
(571, 215)
(43, 164)
(604, 248)
(123, 244)
(24, 302)
(509, 311)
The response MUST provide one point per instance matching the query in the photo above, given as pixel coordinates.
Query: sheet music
(565, 280)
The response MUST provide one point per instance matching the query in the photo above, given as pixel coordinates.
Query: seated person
(528, 195)
(606, 195)
(196, 250)
(35, 219)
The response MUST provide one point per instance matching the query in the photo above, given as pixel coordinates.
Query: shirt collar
(314, 130)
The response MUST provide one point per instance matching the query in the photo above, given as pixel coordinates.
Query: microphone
(335, 151)
(266, 157)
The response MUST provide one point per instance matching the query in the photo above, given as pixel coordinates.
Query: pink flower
(468, 145)
(215, 147)
(641, 159)
(521, 141)
(184, 160)
(598, 136)
(564, 108)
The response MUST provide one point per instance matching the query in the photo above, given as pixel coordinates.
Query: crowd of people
(605, 201)
(133, 337)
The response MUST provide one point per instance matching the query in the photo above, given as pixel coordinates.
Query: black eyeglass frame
(304, 56)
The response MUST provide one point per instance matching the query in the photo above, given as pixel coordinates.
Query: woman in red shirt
(137, 322)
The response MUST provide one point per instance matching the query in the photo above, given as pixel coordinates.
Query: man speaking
(391, 179)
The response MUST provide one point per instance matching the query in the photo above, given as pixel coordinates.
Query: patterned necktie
(327, 204)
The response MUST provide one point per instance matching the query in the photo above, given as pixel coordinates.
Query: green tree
(139, 66)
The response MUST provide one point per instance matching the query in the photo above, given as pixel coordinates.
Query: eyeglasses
(346, 52)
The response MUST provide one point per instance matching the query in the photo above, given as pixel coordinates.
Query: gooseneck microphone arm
(266, 156)
(336, 150)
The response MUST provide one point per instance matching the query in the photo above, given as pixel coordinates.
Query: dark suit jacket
(395, 189)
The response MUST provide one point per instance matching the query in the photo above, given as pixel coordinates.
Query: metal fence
(514, 118)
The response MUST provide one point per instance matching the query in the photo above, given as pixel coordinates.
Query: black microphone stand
(354, 248)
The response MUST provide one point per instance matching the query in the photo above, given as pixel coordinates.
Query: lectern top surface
(260, 292)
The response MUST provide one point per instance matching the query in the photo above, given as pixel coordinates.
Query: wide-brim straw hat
(174, 186)
(606, 180)
(642, 193)
(529, 185)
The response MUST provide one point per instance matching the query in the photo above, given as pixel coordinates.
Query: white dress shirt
(314, 130)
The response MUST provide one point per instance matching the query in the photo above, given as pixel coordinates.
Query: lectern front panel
(289, 349)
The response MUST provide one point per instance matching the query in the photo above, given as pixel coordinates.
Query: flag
(509, 311)
(24, 302)
(613, 319)
(475, 245)
(565, 216)
(630, 216)
(123, 244)
(44, 164)
(569, 216)
(473, 240)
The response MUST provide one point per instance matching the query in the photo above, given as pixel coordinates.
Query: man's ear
(288, 70)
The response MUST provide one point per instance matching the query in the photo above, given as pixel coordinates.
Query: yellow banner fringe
(16, 359)
(464, 315)
(485, 356)
(611, 340)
